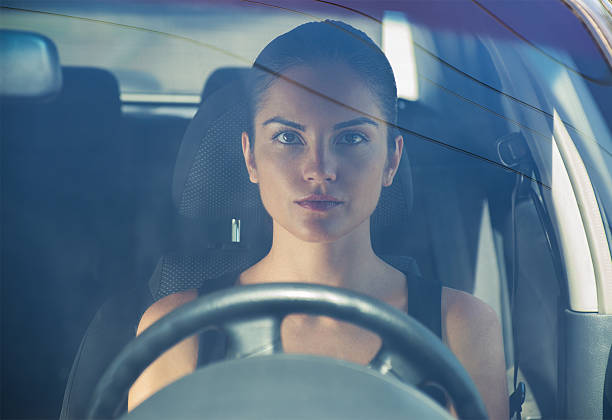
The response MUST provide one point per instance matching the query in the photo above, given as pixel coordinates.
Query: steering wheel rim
(401, 334)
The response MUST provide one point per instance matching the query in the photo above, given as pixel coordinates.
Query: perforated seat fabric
(183, 272)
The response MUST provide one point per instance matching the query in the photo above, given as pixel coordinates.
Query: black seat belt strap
(513, 152)
(518, 396)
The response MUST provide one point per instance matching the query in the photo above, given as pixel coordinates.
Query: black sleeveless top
(424, 304)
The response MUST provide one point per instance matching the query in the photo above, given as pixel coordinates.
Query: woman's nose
(320, 166)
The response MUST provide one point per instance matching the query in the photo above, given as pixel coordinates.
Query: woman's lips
(319, 202)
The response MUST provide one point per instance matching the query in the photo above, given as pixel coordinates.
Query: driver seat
(211, 192)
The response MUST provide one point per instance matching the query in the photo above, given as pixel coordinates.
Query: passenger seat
(61, 209)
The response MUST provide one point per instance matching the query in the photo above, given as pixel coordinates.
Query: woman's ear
(393, 161)
(249, 158)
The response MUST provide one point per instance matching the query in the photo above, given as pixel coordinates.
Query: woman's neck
(348, 262)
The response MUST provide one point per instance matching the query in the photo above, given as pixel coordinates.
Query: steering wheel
(252, 316)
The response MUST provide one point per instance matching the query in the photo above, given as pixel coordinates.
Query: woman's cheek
(277, 173)
(362, 165)
(283, 164)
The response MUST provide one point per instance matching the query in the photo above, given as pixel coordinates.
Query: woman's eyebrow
(356, 121)
(285, 122)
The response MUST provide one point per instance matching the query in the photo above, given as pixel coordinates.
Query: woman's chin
(320, 232)
(318, 237)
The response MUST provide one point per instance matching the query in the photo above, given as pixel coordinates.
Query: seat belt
(518, 396)
(513, 152)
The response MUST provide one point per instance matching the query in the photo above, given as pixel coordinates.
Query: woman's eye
(287, 137)
(351, 138)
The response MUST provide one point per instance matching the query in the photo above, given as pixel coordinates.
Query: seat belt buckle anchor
(512, 149)
(517, 399)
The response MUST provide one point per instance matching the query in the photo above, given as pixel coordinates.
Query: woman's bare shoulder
(164, 306)
(174, 363)
(465, 309)
(472, 330)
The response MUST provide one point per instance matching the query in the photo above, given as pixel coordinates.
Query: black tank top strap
(212, 342)
(224, 281)
(425, 302)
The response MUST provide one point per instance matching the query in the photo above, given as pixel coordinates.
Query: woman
(321, 145)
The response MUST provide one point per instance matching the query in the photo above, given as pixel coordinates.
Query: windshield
(506, 120)
(167, 49)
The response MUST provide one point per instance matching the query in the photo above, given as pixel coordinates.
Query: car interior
(110, 205)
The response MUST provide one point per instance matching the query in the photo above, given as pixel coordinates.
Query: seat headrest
(29, 66)
(91, 93)
(211, 184)
(223, 77)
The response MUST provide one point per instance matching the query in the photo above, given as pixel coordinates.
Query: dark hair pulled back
(315, 43)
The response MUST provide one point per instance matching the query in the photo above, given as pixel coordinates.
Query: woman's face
(320, 161)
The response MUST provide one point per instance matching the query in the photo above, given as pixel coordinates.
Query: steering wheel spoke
(389, 362)
(253, 337)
